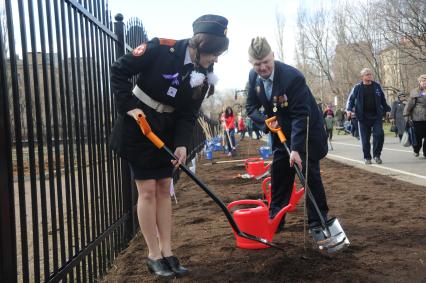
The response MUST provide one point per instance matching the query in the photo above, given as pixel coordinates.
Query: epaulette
(168, 42)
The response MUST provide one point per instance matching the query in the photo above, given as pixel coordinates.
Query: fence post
(8, 265)
(126, 185)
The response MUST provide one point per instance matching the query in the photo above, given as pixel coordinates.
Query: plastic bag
(405, 140)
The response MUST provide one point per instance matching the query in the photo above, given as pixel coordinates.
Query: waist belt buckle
(160, 107)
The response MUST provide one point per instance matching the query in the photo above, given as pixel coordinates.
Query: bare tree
(405, 26)
(316, 39)
(364, 34)
(405, 35)
(280, 20)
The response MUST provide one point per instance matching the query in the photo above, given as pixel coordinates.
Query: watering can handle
(265, 189)
(246, 201)
(277, 130)
(265, 182)
(146, 130)
(251, 159)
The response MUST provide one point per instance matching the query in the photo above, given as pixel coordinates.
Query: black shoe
(175, 266)
(160, 268)
(367, 161)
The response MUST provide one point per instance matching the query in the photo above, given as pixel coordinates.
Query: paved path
(398, 161)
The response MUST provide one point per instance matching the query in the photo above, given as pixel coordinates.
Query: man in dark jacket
(281, 91)
(370, 105)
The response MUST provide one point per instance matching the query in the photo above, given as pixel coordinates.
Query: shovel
(329, 235)
(146, 130)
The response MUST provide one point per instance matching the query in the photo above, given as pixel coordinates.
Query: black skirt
(146, 161)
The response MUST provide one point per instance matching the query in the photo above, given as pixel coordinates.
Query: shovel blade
(330, 243)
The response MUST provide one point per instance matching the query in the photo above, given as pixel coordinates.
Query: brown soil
(385, 220)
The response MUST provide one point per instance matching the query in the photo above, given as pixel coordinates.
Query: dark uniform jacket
(297, 102)
(356, 99)
(159, 65)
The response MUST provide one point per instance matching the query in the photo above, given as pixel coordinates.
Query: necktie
(268, 88)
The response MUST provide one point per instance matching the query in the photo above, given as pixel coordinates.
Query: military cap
(212, 24)
(259, 48)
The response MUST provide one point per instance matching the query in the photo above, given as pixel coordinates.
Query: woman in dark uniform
(174, 76)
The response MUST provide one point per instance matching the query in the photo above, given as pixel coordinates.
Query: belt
(154, 104)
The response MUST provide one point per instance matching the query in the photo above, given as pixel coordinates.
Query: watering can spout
(274, 222)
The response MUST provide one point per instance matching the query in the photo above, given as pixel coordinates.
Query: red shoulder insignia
(140, 50)
(168, 42)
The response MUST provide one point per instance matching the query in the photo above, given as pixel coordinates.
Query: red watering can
(255, 166)
(256, 221)
(295, 194)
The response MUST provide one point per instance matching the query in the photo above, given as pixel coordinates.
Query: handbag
(409, 136)
(412, 135)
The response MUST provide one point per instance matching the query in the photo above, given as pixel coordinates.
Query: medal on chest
(274, 103)
(283, 100)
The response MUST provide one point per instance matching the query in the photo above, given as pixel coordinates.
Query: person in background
(230, 129)
(249, 126)
(397, 114)
(241, 126)
(416, 111)
(369, 101)
(173, 78)
(339, 117)
(257, 131)
(328, 111)
(328, 121)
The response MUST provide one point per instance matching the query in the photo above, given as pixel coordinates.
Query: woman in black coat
(173, 77)
(397, 114)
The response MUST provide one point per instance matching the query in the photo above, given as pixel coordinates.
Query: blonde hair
(365, 71)
(421, 78)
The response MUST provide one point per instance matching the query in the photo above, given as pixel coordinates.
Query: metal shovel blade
(332, 243)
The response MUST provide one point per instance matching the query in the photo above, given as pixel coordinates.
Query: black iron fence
(66, 200)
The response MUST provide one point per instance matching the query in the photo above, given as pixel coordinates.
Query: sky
(247, 19)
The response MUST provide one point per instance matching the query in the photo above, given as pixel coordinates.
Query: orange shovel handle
(277, 130)
(146, 130)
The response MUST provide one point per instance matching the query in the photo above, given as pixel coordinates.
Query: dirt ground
(384, 219)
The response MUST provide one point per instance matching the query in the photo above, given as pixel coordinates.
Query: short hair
(421, 78)
(365, 71)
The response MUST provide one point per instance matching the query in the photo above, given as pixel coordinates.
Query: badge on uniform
(173, 78)
(140, 50)
(171, 91)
